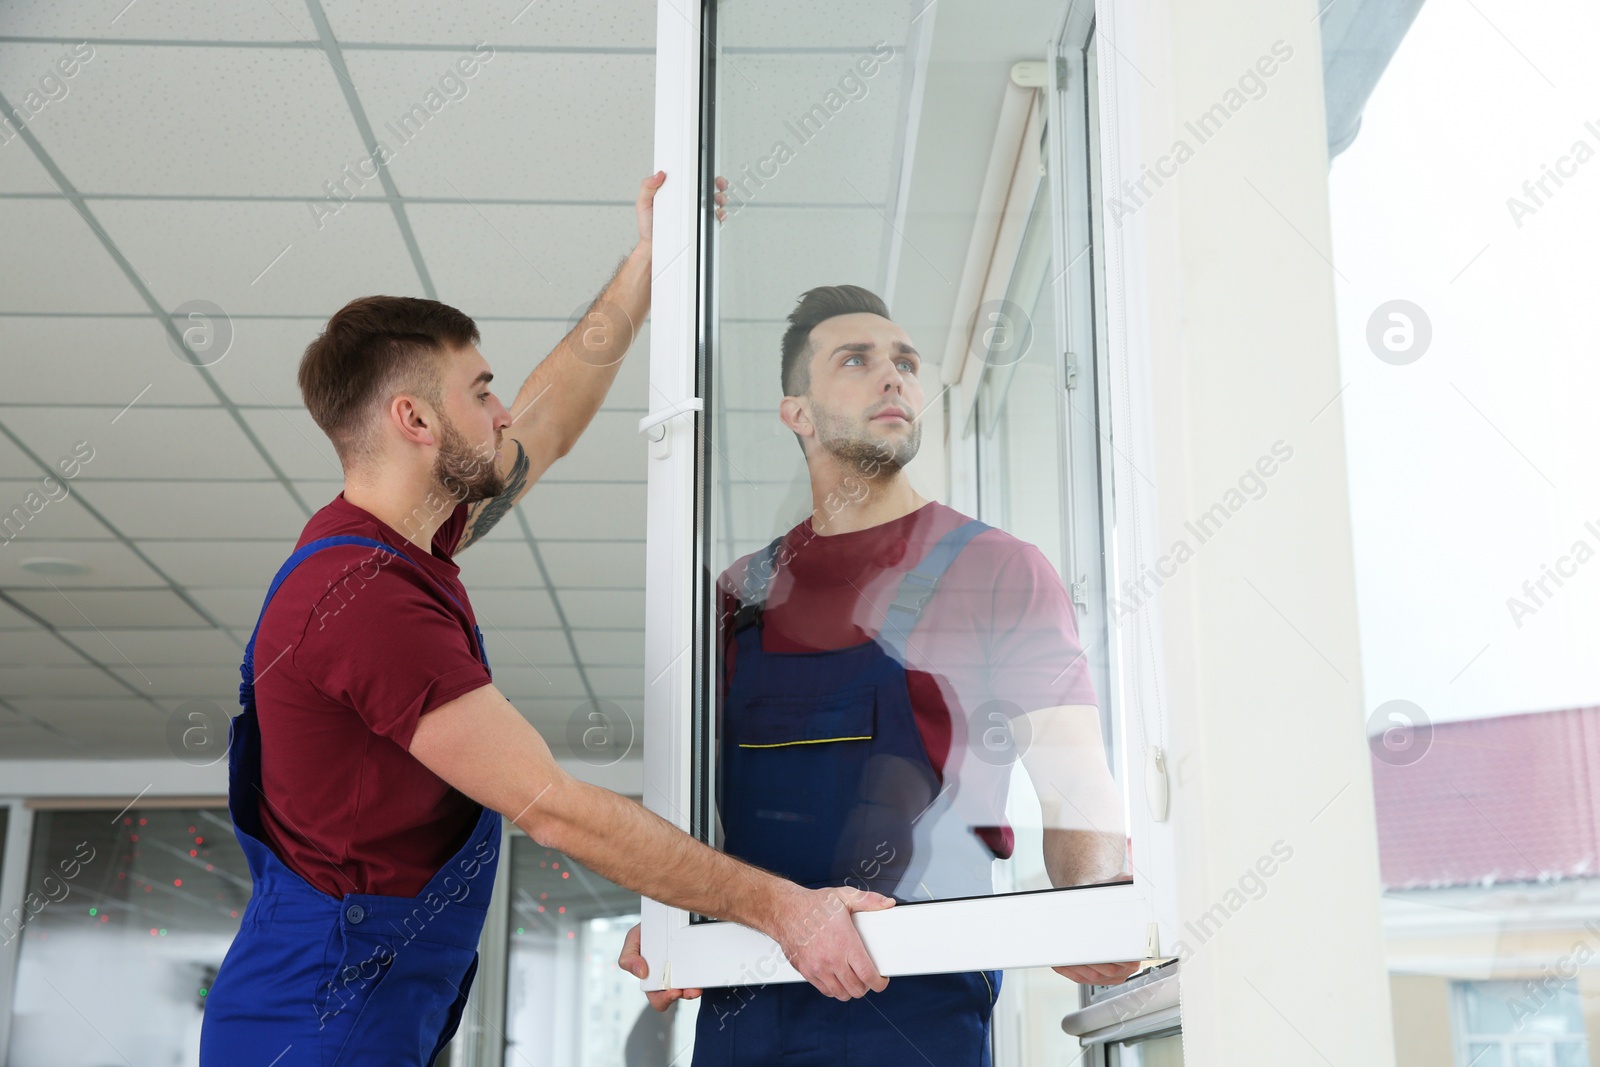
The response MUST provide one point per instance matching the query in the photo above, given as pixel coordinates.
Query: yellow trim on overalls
(817, 741)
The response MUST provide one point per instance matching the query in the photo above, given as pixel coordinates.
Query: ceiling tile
(611, 449)
(218, 683)
(13, 620)
(513, 349)
(517, 680)
(27, 741)
(588, 608)
(617, 681)
(198, 509)
(499, 565)
(219, 563)
(261, 257)
(782, 144)
(109, 563)
(611, 648)
(581, 511)
(497, 259)
(244, 20)
(228, 122)
(564, 127)
(834, 24)
(85, 609)
(522, 647)
(262, 364)
(295, 442)
(750, 365)
(155, 647)
(37, 648)
(21, 171)
(595, 564)
(36, 511)
(559, 23)
(80, 681)
(231, 607)
(116, 360)
(820, 247)
(512, 608)
(66, 268)
(317, 492)
(125, 728)
(144, 440)
(14, 463)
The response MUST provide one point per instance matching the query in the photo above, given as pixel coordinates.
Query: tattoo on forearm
(485, 513)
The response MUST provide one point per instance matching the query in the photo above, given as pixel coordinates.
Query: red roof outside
(1505, 799)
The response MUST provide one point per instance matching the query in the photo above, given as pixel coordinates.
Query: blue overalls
(821, 775)
(318, 980)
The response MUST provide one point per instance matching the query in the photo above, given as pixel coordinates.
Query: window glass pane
(567, 1001)
(1571, 1054)
(1518, 1007)
(131, 916)
(885, 702)
(1525, 1054)
(1164, 1051)
(1480, 1054)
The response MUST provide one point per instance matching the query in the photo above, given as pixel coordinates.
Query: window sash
(1050, 927)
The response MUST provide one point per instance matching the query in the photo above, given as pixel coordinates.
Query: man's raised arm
(557, 401)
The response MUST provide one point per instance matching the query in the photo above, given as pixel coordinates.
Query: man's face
(865, 398)
(468, 461)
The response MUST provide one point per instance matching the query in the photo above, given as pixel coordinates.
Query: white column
(1272, 792)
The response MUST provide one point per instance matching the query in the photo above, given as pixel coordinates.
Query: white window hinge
(1072, 369)
(1080, 592)
(1155, 783)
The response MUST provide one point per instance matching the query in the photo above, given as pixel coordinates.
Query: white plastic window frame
(1030, 929)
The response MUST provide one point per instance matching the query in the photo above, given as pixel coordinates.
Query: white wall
(1259, 629)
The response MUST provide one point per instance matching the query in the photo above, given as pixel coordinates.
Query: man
(374, 756)
(884, 663)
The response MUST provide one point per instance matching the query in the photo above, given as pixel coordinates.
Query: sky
(1473, 465)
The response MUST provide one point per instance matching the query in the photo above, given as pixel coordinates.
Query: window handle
(660, 418)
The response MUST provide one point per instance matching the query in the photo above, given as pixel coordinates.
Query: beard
(849, 442)
(466, 474)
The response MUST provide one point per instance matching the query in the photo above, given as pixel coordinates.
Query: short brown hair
(373, 348)
(823, 302)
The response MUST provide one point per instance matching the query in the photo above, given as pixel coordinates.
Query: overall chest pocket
(785, 722)
(792, 779)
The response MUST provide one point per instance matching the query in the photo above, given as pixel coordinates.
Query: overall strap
(918, 585)
(757, 580)
(247, 669)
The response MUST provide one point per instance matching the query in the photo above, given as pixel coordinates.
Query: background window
(568, 1004)
(1536, 1022)
(138, 910)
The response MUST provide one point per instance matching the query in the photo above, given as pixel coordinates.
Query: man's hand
(815, 932)
(632, 961)
(645, 206)
(722, 199)
(1100, 973)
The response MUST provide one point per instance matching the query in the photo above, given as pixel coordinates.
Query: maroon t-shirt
(999, 634)
(355, 647)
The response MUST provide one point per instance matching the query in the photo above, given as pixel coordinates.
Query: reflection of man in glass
(886, 662)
